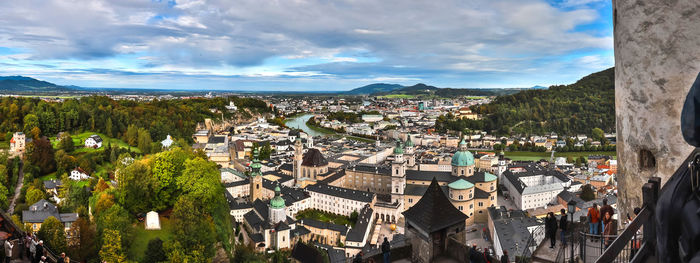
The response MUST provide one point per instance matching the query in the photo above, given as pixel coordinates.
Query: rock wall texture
(657, 57)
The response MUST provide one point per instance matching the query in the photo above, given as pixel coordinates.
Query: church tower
(298, 157)
(255, 178)
(277, 211)
(411, 158)
(398, 174)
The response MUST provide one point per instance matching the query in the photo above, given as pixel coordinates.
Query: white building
(511, 230)
(337, 200)
(94, 141)
(167, 142)
(78, 175)
(532, 186)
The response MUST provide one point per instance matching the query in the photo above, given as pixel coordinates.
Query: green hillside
(565, 109)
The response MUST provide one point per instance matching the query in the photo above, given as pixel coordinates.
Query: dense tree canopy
(564, 109)
(113, 117)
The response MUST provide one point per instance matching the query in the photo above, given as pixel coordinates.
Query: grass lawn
(535, 156)
(47, 177)
(102, 171)
(475, 97)
(325, 217)
(4, 144)
(79, 139)
(142, 236)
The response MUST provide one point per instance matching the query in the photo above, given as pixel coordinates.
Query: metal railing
(616, 252)
(531, 244)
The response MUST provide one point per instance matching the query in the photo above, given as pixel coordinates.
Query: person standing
(64, 258)
(32, 249)
(551, 229)
(593, 219)
(563, 224)
(8, 250)
(605, 208)
(504, 257)
(610, 229)
(40, 251)
(386, 250)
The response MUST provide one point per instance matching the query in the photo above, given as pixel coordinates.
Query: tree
(353, 216)
(167, 167)
(111, 251)
(193, 225)
(83, 246)
(134, 181)
(53, 233)
(132, 134)
(66, 143)
(265, 151)
(597, 134)
(108, 127)
(34, 195)
(200, 180)
(118, 219)
(31, 121)
(144, 141)
(155, 252)
(41, 154)
(3, 197)
(104, 202)
(587, 193)
(569, 159)
(581, 161)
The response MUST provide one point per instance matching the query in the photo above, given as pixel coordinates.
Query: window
(460, 208)
(470, 196)
(410, 200)
(481, 204)
(471, 206)
(462, 172)
(257, 186)
(491, 187)
(461, 197)
(492, 198)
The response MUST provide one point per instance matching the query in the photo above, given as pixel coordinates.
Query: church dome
(462, 158)
(277, 201)
(409, 143)
(399, 147)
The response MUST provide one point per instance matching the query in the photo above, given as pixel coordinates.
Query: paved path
(20, 183)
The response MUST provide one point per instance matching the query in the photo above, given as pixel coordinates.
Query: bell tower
(398, 174)
(255, 178)
(298, 157)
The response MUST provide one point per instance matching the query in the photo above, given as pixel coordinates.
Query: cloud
(405, 39)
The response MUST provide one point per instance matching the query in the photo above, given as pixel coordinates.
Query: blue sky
(316, 45)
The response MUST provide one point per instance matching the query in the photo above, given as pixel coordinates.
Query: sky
(310, 45)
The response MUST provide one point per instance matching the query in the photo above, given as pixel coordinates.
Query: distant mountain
(538, 87)
(374, 88)
(29, 85)
(423, 90)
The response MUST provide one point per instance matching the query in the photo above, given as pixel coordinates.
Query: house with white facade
(94, 141)
(78, 175)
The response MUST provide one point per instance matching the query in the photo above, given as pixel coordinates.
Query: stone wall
(657, 57)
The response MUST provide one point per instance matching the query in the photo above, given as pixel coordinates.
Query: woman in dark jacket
(551, 229)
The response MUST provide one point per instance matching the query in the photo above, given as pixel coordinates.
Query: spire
(277, 201)
(255, 166)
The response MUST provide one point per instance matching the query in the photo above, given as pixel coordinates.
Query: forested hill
(565, 109)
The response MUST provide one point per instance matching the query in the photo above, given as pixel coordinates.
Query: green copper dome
(277, 201)
(462, 158)
(463, 142)
(460, 184)
(399, 147)
(409, 143)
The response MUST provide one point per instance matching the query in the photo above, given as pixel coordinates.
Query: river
(300, 123)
